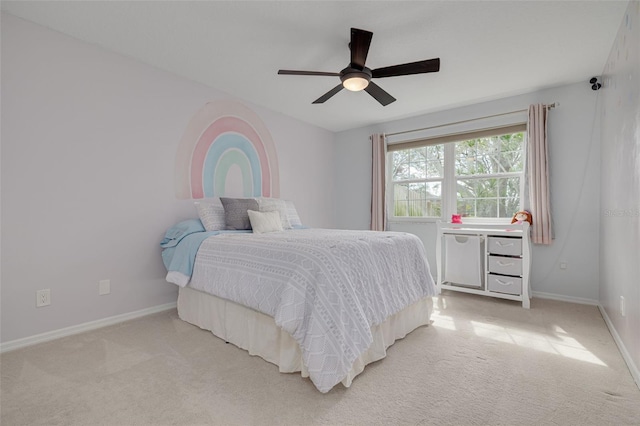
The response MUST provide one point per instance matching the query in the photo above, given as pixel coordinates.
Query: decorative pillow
(275, 204)
(211, 215)
(262, 222)
(292, 215)
(235, 212)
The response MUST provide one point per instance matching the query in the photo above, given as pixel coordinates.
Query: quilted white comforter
(326, 288)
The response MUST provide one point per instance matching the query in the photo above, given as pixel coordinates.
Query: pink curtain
(538, 175)
(378, 183)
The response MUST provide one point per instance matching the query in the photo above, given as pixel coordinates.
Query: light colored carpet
(482, 361)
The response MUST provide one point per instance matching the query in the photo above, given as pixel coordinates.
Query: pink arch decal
(219, 127)
(210, 124)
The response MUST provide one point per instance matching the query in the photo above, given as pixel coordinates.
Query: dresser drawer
(505, 265)
(503, 245)
(504, 284)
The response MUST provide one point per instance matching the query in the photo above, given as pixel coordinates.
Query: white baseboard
(633, 368)
(563, 298)
(80, 328)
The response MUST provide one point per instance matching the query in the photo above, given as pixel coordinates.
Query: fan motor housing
(350, 72)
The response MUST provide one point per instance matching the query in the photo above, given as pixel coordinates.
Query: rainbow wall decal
(226, 151)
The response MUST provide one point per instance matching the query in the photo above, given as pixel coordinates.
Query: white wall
(89, 140)
(620, 186)
(574, 170)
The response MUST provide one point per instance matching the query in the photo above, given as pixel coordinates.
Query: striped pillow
(211, 214)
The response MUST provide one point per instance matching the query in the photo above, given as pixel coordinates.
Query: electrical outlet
(104, 287)
(563, 264)
(43, 298)
(623, 310)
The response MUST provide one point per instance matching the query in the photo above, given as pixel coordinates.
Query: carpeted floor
(483, 361)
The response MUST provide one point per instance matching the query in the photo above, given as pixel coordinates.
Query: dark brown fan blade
(360, 42)
(329, 94)
(430, 65)
(380, 95)
(294, 72)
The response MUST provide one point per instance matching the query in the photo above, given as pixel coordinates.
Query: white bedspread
(326, 288)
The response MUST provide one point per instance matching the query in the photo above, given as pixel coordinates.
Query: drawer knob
(501, 244)
(501, 263)
(503, 283)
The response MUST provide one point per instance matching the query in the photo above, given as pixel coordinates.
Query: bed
(321, 302)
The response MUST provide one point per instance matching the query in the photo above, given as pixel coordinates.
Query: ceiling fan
(357, 77)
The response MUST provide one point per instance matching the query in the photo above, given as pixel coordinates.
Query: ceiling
(488, 49)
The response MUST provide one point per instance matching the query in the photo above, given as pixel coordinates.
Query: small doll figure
(522, 216)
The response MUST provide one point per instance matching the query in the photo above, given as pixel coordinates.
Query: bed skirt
(258, 333)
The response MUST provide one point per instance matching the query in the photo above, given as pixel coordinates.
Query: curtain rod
(548, 106)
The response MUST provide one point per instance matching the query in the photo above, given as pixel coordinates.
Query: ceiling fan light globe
(355, 84)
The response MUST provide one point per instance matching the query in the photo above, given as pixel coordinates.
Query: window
(477, 175)
(417, 175)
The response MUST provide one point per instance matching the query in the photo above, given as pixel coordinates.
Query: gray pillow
(235, 212)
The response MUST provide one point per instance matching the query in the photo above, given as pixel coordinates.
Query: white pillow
(211, 215)
(262, 222)
(266, 204)
(292, 214)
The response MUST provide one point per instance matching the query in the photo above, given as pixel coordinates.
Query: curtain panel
(538, 175)
(378, 182)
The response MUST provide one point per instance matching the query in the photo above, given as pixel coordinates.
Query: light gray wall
(89, 141)
(574, 172)
(620, 185)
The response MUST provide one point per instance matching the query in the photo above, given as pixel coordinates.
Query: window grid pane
(418, 199)
(492, 195)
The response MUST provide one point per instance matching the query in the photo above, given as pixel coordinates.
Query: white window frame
(449, 192)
